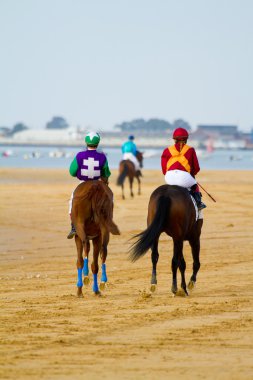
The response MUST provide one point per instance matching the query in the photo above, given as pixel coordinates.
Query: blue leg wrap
(79, 278)
(95, 283)
(85, 267)
(103, 276)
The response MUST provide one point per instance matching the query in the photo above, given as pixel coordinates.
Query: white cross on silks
(90, 172)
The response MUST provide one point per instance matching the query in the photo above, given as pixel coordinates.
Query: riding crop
(206, 192)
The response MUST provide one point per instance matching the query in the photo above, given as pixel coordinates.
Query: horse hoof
(79, 293)
(102, 285)
(153, 288)
(174, 291)
(191, 285)
(86, 280)
(181, 293)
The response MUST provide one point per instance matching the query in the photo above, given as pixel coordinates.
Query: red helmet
(180, 134)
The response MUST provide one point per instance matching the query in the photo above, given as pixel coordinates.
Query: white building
(47, 136)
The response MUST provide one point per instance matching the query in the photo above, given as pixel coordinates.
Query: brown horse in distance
(171, 210)
(92, 216)
(127, 169)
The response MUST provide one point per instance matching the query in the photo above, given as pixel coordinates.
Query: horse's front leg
(103, 254)
(177, 254)
(154, 258)
(86, 279)
(94, 264)
(79, 264)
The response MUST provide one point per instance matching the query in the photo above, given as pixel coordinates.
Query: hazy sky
(100, 62)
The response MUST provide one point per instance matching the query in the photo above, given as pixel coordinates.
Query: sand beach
(46, 332)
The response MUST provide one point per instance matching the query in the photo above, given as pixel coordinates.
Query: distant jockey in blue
(129, 151)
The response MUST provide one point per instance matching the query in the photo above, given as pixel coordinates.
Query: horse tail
(152, 233)
(102, 207)
(122, 175)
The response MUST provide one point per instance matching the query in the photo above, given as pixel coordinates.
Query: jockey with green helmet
(180, 165)
(89, 165)
(129, 151)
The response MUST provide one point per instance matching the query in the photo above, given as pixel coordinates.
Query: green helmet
(92, 139)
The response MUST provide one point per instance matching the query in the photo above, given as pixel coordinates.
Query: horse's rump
(93, 202)
(126, 167)
(179, 212)
(170, 210)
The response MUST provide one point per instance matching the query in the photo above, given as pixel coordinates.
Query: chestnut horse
(127, 169)
(92, 213)
(171, 210)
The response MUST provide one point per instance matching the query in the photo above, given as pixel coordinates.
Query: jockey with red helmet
(180, 165)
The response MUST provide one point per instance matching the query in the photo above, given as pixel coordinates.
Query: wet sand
(127, 333)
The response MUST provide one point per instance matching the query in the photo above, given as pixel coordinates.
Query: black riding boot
(197, 196)
(138, 173)
(72, 232)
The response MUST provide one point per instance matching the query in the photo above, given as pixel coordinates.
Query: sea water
(59, 157)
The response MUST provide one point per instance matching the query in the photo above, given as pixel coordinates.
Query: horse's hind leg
(86, 263)
(182, 267)
(131, 186)
(94, 264)
(103, 255)
(122, 189)
(178, 262)
(139, 185)
(79, 264)
(195, 247)
(154, 258)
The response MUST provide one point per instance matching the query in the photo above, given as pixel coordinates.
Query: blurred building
(219, 136)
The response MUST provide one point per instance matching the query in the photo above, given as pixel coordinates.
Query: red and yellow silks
(177, 156)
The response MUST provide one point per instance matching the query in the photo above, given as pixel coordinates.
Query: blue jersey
(129, 147)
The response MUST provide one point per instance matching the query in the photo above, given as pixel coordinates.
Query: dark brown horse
(92, 213)
(171, 210)
(127, 169)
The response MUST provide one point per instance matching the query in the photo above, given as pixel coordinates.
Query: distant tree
(18, 128)
(158, 125)
(180, 123)
(57, 122)
(131, 125)
(141, 125)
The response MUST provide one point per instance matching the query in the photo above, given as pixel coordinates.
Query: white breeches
(180, 178)
(71, 199)
(131, 157)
